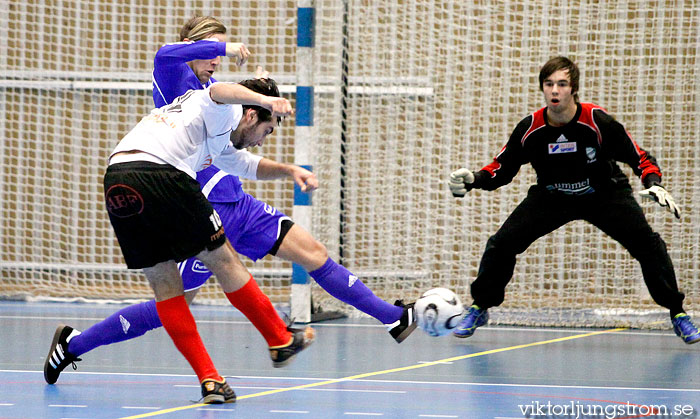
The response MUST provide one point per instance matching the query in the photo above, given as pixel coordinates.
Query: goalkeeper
(573, 148)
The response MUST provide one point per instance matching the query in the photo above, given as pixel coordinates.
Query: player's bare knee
(189, 295)
(222, 255)
(316, 255)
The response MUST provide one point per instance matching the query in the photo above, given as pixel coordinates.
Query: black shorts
(158, 214)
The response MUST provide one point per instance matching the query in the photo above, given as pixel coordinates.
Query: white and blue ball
(438, 311)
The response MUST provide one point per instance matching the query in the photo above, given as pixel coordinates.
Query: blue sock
(127, 323)
(343, 285)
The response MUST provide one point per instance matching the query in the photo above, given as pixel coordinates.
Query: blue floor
(354, 369)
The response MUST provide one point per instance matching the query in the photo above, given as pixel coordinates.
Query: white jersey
(191, 134)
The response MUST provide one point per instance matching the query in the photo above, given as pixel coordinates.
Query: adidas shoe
(685, 328)
(401, 328)
(474, 318)
(217, 392)
(59, 357)
(301, 339)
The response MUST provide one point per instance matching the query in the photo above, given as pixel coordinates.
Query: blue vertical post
(303, 137)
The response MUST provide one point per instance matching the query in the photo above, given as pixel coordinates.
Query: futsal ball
(438, 311)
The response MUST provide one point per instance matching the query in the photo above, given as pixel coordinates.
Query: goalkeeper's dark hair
(264, 86)
(561, 63)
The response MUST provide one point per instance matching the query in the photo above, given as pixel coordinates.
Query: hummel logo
(562, 139)
(125, 324)
(351, 280)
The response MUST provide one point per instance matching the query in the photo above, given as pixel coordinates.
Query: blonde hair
(201, 27)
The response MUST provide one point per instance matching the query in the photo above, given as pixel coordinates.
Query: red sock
(259, 310)
(179, 323)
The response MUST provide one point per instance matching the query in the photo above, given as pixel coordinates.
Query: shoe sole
(287, 361)
(403, 335)
(54, 342)
(462, 336)
(696, 340)
(217, 399)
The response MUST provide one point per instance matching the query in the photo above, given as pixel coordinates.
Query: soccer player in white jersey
(160, 216)
(254, 228)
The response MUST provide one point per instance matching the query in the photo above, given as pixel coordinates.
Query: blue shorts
(252, 227)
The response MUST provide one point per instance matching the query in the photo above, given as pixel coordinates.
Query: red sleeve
(507, 162)
(623, 148)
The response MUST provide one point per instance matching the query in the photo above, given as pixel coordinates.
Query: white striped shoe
(59, 357)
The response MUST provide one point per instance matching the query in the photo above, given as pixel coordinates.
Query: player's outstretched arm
(236, 94)
(270, 169)
(461, 181)
(661, 195)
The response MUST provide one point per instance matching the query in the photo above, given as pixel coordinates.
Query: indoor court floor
(353, 370)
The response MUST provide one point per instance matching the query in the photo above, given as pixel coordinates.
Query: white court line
(68, 405)
(7, 404)
(363, 414)
(364, 326)
(448, 383)
(303, 389)
(141, 407)
(290, 411)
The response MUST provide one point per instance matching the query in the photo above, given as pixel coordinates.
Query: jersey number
(215, 220)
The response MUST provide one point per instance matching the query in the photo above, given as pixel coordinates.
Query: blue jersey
(172, 77)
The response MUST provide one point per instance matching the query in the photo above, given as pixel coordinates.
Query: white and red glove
(660, 195)
(461, 182)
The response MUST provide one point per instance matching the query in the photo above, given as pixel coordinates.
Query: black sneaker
(59, 357)
(283, 355)
(401, 328)
(217, 392)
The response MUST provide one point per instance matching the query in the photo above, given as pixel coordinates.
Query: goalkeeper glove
(660, 195)
(461, 182)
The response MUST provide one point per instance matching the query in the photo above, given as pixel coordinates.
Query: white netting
(432, 86)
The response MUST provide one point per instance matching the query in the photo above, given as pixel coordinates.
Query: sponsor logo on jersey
(199, 267)
(269, 209)
(207, 162)
(562, 139)
(159, 118)
(351, 280)
(560, 148)
(590, 153)
(575, 188)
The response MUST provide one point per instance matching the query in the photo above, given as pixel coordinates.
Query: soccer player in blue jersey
(574, 148)
(254, 228)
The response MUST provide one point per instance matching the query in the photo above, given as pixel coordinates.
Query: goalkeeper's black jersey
(578, 158)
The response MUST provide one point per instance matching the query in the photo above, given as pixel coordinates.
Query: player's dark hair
(264, 86)
(561, 63)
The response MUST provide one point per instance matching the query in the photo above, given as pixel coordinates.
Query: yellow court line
(374, 373)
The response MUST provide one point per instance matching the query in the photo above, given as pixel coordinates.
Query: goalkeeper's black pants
(615, 212)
